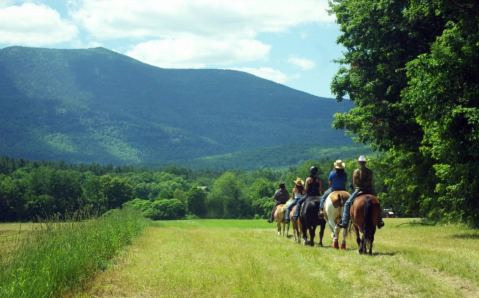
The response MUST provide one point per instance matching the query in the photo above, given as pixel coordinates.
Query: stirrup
(342, 225)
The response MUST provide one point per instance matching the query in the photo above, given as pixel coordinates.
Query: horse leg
(371, 240)
(321, 234)
(303, 232)
(345, 233)
(312, 231)
(358, 240)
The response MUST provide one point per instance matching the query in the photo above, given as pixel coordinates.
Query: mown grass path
(245, 258)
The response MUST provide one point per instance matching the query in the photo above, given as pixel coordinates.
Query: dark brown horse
(365, 213)
(308, 216)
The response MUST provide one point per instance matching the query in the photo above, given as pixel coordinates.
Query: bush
(165, 209)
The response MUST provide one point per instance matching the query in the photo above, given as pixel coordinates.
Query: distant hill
(96, 105)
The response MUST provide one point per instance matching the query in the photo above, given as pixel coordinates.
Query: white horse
(333, 210)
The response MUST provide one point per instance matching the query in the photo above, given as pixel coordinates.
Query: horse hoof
(343, 246)
(320, 244)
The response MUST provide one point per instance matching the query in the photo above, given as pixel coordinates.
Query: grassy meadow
(246, 258)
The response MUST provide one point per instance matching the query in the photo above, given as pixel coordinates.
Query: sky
(289, 42)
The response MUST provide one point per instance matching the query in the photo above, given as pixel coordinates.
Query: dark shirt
(313, 187)
(281, 196)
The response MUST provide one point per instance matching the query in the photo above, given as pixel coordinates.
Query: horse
(333, 210)
(310, 220)
(296, 226)
(365, 213)
(280, 215)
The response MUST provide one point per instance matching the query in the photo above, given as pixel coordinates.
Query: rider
(281, 196)
(298, 192)
(363, 180)
(337, 181)
(313, 188)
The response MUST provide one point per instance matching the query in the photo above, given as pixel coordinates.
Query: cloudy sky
(289, 42)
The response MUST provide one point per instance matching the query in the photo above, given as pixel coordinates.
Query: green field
(245, 258)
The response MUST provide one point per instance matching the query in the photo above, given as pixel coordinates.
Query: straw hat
(362, 159)
(338, 164)
(299, 182)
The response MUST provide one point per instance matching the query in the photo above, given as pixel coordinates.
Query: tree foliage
(411, 69)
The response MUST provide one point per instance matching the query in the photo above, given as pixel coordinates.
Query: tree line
(30, 190)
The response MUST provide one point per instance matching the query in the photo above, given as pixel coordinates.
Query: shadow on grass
(389, 253)
(471, 235)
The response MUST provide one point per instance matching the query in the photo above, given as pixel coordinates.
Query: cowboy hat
(338, 164)
(299, 182)
(362, 159)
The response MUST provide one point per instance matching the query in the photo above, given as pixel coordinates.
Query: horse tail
(368, 218)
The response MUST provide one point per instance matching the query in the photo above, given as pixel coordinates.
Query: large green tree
(409, 66)
(196, 201)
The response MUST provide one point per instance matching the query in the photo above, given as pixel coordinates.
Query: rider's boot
(342, 225)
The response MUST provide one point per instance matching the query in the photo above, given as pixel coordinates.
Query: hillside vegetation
(96, 105)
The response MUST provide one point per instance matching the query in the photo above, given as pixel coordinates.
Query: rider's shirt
(366, 182)
(338, 182)
(313, 187)
(298, 195)
(281, 196)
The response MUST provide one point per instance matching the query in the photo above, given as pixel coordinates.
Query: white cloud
(198, 52)
(265, 73)
(184, 18)
(34, 25)
(304, 64)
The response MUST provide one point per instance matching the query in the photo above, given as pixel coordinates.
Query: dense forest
(30, 190)
(411, 69)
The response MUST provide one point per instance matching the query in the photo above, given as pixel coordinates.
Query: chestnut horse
(296, 226)
(365, 213)
(333, 210)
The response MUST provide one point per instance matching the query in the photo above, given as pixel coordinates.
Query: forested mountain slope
(96, 105)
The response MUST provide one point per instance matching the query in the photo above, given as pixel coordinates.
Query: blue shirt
(338, 183)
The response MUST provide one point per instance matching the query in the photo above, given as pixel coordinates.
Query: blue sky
(289, 42)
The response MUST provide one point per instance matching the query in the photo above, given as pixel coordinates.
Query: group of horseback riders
(363, 180)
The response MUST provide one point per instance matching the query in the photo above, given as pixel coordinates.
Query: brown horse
(296, 226)
(365, 213)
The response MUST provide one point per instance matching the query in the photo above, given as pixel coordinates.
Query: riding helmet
(313, 170)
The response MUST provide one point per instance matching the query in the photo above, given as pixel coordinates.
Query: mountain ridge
(96, 105)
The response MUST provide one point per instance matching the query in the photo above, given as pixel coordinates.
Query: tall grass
(60, 255)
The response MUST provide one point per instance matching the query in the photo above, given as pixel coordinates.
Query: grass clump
(61, 254)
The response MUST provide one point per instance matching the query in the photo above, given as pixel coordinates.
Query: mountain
(95, 105)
